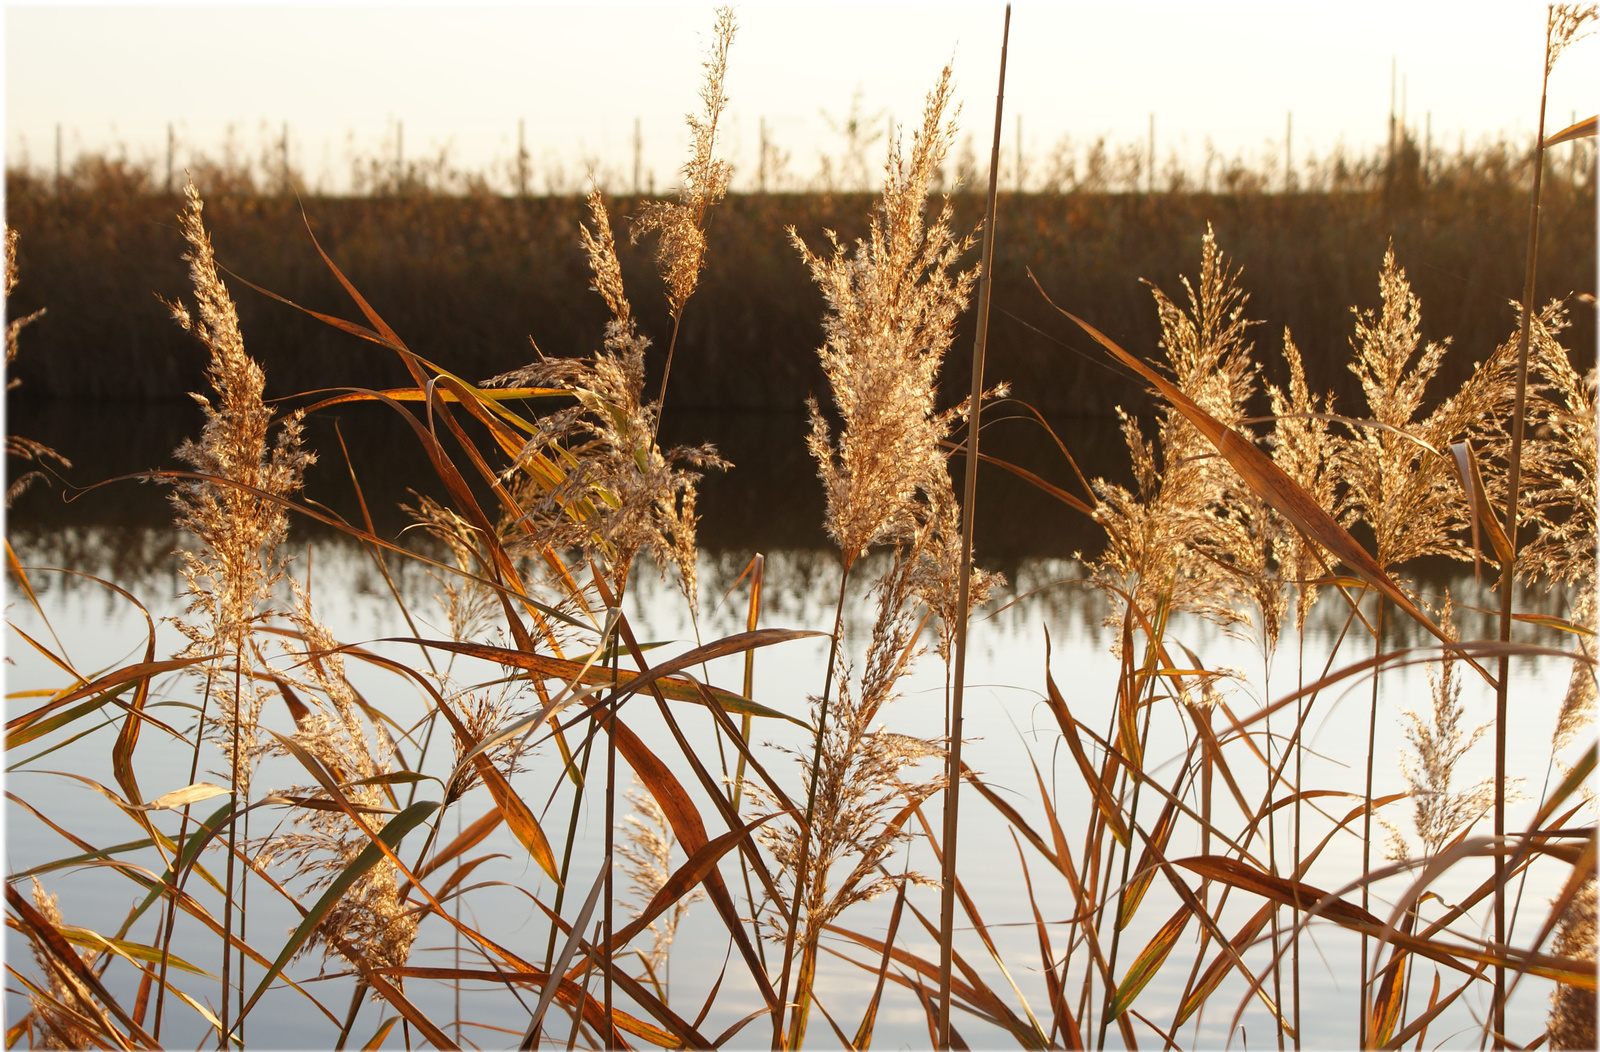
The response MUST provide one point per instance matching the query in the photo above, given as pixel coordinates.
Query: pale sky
(114, 77)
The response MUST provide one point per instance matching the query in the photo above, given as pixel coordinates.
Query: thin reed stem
(1299, 763)
(350, 1018)
(752, 619)
(171, 906)
(1508, 570)
(666, 371)
(811, 811)
(1132, 813)
(572, 836)
(233, 831)
(1366, 819)
(1272, 857)
(947, 901)
(608, 962)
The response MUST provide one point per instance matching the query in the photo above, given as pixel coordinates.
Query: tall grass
(472, 277)
(552, 484)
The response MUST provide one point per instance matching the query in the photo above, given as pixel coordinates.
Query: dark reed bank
(472, 276)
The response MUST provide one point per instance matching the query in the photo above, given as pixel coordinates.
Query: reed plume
(1572, 1008)
(1193, 535)
(862, 773)
(233, 508)
(370, 925)
(63, 1015)
(1400, 479)
(1304, 446)
(468, 604)
(1557, 503)
(619, 493)
(1558, 487)
(892, 308)
(14, 326)
(16, 445)
(645, 855)
(1437, 743)
(682, 248)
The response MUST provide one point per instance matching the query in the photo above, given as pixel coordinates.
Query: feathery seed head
(681, 252)
(1572, 1008)
(1303, 446)
(70, 1001)
(645, 854)
(1397, 479)
(1565, 25)
(893, 303)
(618, 492)
(234, 510)
(1194, 537)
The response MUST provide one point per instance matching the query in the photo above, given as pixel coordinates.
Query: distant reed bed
(471, 275)
(497, 825)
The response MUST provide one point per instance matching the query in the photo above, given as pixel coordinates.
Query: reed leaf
(392, 833)
(1149, 961)
(518, 816)
(25, 728)
(685, 877)
(375, 1042)
(1584, 129)
(691, 833)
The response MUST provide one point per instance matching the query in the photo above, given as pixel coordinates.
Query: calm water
(770, 504)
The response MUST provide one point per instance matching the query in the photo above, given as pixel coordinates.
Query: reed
(1181, 842)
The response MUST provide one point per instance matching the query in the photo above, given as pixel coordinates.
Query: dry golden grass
(544, 514)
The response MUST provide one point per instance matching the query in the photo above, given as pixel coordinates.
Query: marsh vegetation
(505, 816)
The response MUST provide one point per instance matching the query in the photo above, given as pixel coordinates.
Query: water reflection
(770, 503)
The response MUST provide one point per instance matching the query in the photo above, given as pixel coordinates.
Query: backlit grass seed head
(936, 571)
(1398, 480)
(645, 855)
(619, 492)
(61, 1018)
(236, 566)
(1559, 475)
(485, 714)
(681, 223)
(16, 445)
(892, 308)
(1436, 744)
(1565, 25)
(1303, 446)
(1194, 533)
(14, 326)
(1560, 488)
(1577, 711)
(1572, 1008)
(866, 774)
(468, 604)
(369, 922)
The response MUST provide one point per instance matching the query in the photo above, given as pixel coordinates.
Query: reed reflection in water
(1010, 736)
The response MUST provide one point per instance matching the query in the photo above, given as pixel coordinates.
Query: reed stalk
(1561, 25)
(969, 503)
(802, 867)
(1200, 536)
(1366, 819)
